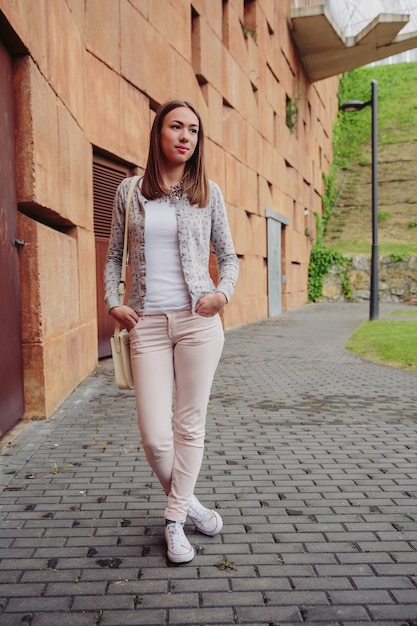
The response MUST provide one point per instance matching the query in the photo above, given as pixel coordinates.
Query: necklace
(175, 193)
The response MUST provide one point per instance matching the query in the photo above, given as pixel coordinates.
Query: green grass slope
(348, 229)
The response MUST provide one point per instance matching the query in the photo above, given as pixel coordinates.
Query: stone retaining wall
(397, 280)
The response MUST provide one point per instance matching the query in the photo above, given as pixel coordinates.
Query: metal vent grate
(107, 176)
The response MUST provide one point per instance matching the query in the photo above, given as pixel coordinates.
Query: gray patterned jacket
(197, 227)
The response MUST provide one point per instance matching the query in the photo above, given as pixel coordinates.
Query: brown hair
(195, 183)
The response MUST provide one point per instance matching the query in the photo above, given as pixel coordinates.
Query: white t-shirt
(166, 289)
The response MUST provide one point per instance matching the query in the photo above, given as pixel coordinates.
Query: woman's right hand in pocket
(125, 316)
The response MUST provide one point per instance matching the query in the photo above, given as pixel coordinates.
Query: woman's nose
(184, 135)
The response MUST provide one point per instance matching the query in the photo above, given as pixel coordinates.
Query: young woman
(176, 335)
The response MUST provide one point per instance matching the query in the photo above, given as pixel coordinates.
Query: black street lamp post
(357, 105)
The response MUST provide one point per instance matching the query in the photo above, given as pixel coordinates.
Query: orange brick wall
(91, 76)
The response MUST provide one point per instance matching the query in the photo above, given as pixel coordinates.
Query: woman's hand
(126, 316)
(211, 304)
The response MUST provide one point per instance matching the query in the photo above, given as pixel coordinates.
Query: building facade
(80, 82)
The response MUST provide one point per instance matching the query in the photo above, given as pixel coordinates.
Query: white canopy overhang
(326, 52)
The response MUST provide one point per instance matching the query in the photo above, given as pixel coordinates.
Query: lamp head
(353, 105)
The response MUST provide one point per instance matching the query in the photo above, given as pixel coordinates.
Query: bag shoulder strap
(122, 283)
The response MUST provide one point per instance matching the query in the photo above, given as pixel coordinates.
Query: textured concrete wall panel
(234, 133)
(216, 164)
(266, 120)
(265, 197)
(30, 281)
(142, 49)
(267, 7)
(37, 140)
(173, 22)
(240, 225)
(34, 382)
(268, 168)
(135, 124)
(116, 105)
(258, 236)
(87, 277)
(253, 146)
(256, 275)
(207, 53)
(75, 172)
(232, 33)
(102, 104)
(241, 184)
(58, 267)
(58, 313)
(253, 63)
(213, 119)
(143, 6)
(66, 59)
(103, 42)
(237, 90)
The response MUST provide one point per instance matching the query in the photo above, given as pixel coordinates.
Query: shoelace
(198, 512)
(176, 535)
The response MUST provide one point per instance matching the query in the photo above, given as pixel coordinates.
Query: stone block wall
(88, 75)
(397, 280)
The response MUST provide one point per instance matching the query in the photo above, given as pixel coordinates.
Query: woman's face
(179, 136)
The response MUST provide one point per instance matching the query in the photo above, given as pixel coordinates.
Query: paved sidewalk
(311, 458)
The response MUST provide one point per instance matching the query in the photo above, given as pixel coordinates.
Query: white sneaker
(207, 521)
(179, 549)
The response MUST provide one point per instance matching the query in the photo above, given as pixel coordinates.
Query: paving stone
(310, 458)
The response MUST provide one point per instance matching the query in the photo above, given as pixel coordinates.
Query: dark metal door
(11, 360)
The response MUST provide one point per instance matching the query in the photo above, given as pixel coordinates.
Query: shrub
(322, 259)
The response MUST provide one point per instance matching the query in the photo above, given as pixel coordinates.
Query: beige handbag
(120, 342)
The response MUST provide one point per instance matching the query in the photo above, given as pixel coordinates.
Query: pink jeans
(181, 349)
